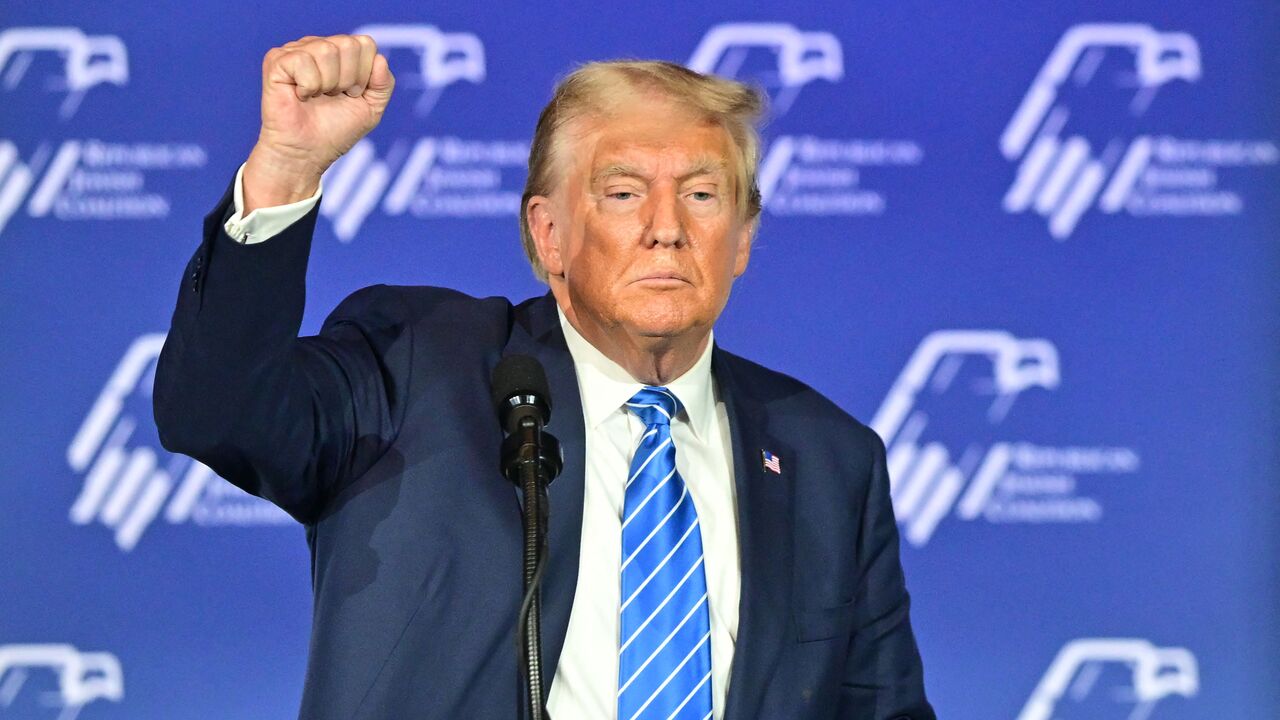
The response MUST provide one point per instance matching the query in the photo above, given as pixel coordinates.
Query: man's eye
(622, 195)
(701, 196)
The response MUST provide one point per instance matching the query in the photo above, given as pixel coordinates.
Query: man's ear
(542, 226)
(746, 235)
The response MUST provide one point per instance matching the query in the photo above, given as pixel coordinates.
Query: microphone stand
(531, 459)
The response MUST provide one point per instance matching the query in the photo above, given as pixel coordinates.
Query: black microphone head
(519, 381)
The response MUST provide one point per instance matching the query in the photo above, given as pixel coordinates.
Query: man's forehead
(625, 149)
(640, 133)
(647, 165)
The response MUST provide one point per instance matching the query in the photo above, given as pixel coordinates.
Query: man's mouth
(662, 279)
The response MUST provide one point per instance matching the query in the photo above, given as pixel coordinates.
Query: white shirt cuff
(265, 223)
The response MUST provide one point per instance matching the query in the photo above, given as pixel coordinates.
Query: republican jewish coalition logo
(76, 178)
(80, 678)
(951, 447)
(794, 58)
(1084, 134)
(129, 479)
(442, 58)
(425, 177)
(88, 61)
(1122, 678)
(801, 174)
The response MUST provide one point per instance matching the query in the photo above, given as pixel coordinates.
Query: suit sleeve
(289, 419)
(884, 677)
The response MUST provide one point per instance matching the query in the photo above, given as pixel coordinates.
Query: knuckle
(305, 67)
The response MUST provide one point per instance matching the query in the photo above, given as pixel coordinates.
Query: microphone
(522, 400)
(520, 391)
(531, 458)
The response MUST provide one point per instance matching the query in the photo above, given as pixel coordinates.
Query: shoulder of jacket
(787, 398)
(421, 303)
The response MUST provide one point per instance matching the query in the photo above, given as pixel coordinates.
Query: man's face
(642, 235)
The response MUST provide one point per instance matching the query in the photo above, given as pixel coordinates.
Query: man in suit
(722, 543)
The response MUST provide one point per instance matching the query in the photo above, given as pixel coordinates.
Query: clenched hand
(320, 95)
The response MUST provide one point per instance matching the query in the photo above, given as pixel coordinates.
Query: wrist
(272, 178)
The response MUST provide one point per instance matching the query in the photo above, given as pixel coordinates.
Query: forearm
(235, 387)
(224, 382)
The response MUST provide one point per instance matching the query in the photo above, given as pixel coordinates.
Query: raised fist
(320, 95)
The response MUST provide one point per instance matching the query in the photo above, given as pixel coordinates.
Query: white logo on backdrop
(89, 60)
(129, 478)
(801, 174)
(1002, 481)
(801, 57)
(431, 177)
(90, 179)
(426, 177)
(83, 677)
(805, 175)
(1061, 174)
(81, 179)
(444, 58)
(1152, 675)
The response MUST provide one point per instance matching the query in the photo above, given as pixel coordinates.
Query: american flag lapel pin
(770, 462)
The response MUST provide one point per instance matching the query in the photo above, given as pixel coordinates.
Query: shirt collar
(605, 385)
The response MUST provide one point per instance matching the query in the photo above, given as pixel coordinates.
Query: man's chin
(656, 315)
(659, 328)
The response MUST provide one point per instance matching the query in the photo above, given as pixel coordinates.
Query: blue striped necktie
(664, 643)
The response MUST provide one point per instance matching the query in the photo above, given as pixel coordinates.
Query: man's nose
(666, 219)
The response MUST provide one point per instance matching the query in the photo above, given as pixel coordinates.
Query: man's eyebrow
(618, 170)
(704, 166)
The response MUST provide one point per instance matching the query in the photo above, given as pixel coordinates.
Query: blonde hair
(594, 88)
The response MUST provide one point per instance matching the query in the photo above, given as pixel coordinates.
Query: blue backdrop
(1034, 245)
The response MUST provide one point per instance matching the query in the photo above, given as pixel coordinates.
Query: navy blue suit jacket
(378, 435)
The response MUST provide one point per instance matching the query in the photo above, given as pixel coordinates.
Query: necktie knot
(654, 405)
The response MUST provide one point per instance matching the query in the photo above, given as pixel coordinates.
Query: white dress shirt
(585, 683)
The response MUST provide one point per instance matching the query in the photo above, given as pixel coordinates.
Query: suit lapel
(765, 524)
(544, 340)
